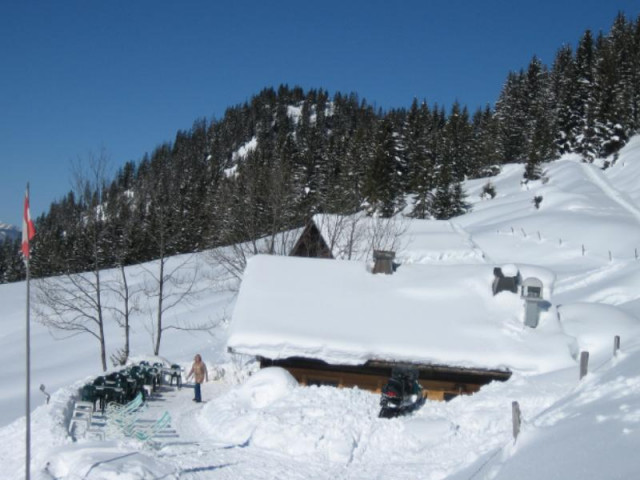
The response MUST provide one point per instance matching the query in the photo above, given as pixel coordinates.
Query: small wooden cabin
(311, 243)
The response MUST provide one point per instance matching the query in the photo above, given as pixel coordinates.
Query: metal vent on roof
(383, 261)
(506, 278)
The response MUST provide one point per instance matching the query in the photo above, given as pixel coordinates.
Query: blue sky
(124, 76)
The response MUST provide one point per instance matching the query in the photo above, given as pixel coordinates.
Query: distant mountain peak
(8, 232)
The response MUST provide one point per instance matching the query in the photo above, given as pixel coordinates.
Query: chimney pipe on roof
(383, 261)
(533, 301)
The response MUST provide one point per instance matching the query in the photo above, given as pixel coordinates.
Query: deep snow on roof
(437, 314)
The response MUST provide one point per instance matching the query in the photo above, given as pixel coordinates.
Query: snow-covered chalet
(336, 323)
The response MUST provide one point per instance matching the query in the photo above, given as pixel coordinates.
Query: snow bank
(595, 325)
(266, 387)
(310, 421)
(106, 461)
(48, 431)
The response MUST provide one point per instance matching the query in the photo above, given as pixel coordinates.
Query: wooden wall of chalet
(439, 382)
(311, 244)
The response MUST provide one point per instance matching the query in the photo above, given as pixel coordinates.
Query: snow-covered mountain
(586, 231)
(8, 232)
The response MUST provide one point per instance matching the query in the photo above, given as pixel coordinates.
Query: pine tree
(541, 149)
(449, 198)
(564, 85)
(383, 189)
(613, 99)
(584, 102)
(485, 152)
(511, 115)
(457, 136)
(14, 267)
(633, 82)
(421, 128)
(540, 116)
(352, 176)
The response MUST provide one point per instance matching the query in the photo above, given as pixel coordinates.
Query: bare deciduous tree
(355, 237)
(233, 258)
(74, 302)
(386, 233)
(119, 209)
(349, 237)
(172, 283)
(345, 234)
(125, 304)
(71, 304)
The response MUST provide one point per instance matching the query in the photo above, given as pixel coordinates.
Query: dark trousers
(197, 396)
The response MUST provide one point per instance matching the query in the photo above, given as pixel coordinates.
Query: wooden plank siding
(439, 382)
(311, 244)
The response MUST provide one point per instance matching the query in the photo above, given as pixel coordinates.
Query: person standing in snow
(200, 375)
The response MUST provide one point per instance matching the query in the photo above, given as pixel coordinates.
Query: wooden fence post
(616, 345)
(517, 419)
(584, 364)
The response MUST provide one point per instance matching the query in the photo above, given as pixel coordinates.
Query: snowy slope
(59, 360)
(585, 232)
(592, 433)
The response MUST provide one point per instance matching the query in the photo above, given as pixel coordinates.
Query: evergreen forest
(269, 164)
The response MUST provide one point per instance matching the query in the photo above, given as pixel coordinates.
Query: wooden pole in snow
(616, 345)
(584, 364)
(517, 419)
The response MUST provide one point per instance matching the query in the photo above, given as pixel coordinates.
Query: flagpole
(28, 406)
(28, 403)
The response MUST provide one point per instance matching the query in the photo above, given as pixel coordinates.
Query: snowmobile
(402, 394)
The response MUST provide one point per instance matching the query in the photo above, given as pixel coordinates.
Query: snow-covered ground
(264, 426)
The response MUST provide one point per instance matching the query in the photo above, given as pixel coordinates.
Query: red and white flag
(28, 230)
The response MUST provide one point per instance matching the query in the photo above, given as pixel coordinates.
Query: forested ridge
(269, 164)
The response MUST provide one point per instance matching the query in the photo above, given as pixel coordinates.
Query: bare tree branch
(170, 287)
(73, 302)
